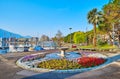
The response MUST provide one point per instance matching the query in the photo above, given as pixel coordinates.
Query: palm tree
(93, 18)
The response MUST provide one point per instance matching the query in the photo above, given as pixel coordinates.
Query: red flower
(90, 61)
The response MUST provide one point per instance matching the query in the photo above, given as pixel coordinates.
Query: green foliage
(59, 64)
(84, 47)
(101, 42)
(106, 46)
(112, 12)
(79, 37)
(104, 28)
(89, 35)
(102, 47)
(67, 38)
(94, 17)
(111, 16)
(105, 19)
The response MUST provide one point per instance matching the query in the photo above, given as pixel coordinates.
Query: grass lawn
(103, 47)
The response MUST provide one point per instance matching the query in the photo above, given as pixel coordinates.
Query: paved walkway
(8, 70)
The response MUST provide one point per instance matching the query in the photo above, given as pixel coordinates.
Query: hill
(7, 34)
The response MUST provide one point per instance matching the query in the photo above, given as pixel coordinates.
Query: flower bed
(92, 54)
(98, 55)
(63, 64)
(90, 61)
(32, 57)
(59, 64)
(31, 62)
(85, 54)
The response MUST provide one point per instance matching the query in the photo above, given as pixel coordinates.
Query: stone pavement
(8, 70)
(113, 70)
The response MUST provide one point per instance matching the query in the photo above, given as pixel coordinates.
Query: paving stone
(9, 71)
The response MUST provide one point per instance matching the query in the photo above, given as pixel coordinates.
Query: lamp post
(70, 36)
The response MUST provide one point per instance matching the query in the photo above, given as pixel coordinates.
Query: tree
(112, 17)
(59, 38)
(59, 34)
(93, 18)
(54, 39)
(79, 37)
(89, 35)
(112, 11)
(67, 38)
(44, 38)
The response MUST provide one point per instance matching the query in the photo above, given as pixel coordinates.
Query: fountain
(67, 60)
(62, 53)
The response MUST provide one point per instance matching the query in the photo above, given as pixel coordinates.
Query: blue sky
(38, 17)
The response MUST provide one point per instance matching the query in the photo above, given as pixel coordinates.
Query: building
(4, 42)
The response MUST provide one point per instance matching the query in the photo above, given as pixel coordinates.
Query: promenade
(9, 70)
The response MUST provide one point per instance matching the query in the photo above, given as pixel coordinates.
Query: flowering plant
(86, 54)
(92, 54)
(29, 58)
(90, 61)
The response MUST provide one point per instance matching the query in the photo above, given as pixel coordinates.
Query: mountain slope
(7, 34)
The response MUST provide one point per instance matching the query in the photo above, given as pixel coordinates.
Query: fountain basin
(62, 49)
(32, 64)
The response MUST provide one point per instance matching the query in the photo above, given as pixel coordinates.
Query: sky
(38, 17)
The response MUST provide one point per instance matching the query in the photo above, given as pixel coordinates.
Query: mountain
(7, 34)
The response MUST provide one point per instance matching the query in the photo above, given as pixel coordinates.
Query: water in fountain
(63, 54)
(68, 55)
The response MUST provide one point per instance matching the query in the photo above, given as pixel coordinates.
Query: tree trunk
(110, 38)
(94, 38)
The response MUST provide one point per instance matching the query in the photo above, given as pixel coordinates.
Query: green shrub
(101, 42)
